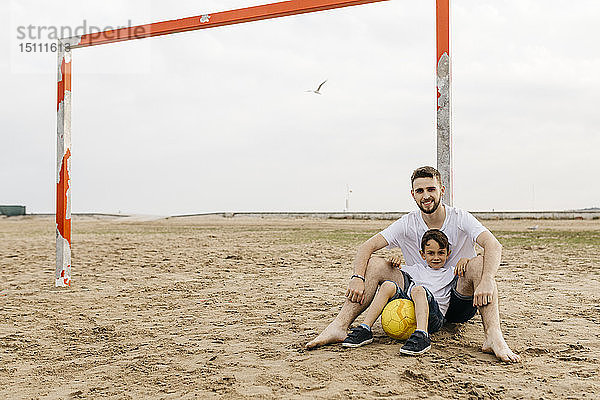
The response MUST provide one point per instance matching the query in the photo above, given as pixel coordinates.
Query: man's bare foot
(500, 349)
(331, 334)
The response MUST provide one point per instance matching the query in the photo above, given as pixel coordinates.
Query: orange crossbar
(442, 27)
(231, 17)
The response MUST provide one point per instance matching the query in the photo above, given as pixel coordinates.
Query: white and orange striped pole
(63, 165)
(444, 98)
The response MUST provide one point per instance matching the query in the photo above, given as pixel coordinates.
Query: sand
(221, 308)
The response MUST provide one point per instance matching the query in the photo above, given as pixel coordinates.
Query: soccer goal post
(237, 16)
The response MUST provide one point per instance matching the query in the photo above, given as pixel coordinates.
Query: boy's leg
(493, 339)
(429, 320)
(419, 297)
(386, 291)
(378, 270)
(418, 342)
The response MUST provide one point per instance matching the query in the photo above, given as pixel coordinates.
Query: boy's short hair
(425, 172)
(437, 235)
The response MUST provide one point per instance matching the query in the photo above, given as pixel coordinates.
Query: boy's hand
(461, 266)
(356, 291)
(396, 261)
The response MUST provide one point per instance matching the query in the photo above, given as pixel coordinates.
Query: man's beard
(436, 204)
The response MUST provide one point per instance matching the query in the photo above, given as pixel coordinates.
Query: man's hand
(484, 292)
(461, 266)
(356, 291)
(396, 261)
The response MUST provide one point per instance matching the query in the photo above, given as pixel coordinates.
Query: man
(476, 289)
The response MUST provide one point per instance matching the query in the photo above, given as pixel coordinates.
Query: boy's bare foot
(500, 349)
(331, 334)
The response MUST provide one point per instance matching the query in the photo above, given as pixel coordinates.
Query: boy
(427, 286)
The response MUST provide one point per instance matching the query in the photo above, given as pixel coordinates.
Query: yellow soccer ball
(398, 319)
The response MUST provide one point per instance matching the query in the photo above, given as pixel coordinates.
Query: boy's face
(433, 255)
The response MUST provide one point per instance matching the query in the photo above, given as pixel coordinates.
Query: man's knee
(473, 271)
(474, 268)
(380, 270)
(376, 266)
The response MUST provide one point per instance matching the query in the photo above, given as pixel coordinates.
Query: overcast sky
(219, 120)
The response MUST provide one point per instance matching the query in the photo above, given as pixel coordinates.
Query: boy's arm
(356, 287)
(492, 252)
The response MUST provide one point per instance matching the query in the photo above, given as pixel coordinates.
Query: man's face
(427, 193)
(433, 255)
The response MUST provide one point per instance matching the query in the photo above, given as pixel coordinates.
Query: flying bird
(319, 88)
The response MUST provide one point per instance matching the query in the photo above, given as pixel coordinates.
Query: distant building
(12, 211)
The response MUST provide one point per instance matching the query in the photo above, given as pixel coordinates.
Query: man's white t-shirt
(460, 226)
(438, 281)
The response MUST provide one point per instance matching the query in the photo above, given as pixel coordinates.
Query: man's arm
(356, 287)
(492, 252)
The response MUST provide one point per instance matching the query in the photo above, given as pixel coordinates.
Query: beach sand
(212, 307)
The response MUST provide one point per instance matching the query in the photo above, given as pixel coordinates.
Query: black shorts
(461, 308)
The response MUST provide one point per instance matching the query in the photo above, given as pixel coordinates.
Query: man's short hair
(437, 235)
(425, 172)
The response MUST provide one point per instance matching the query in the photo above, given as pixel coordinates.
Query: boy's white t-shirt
(438, 281)
(460, 226)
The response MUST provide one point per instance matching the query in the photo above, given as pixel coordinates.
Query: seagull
(319, 88)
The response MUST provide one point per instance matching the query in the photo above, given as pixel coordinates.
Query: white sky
(219, 120)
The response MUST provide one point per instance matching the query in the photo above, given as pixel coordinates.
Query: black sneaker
(417, 343)
(357, 337)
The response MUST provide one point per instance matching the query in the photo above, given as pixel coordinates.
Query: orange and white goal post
(248, 14)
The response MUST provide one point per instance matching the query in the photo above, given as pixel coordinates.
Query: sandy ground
(221, 308)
